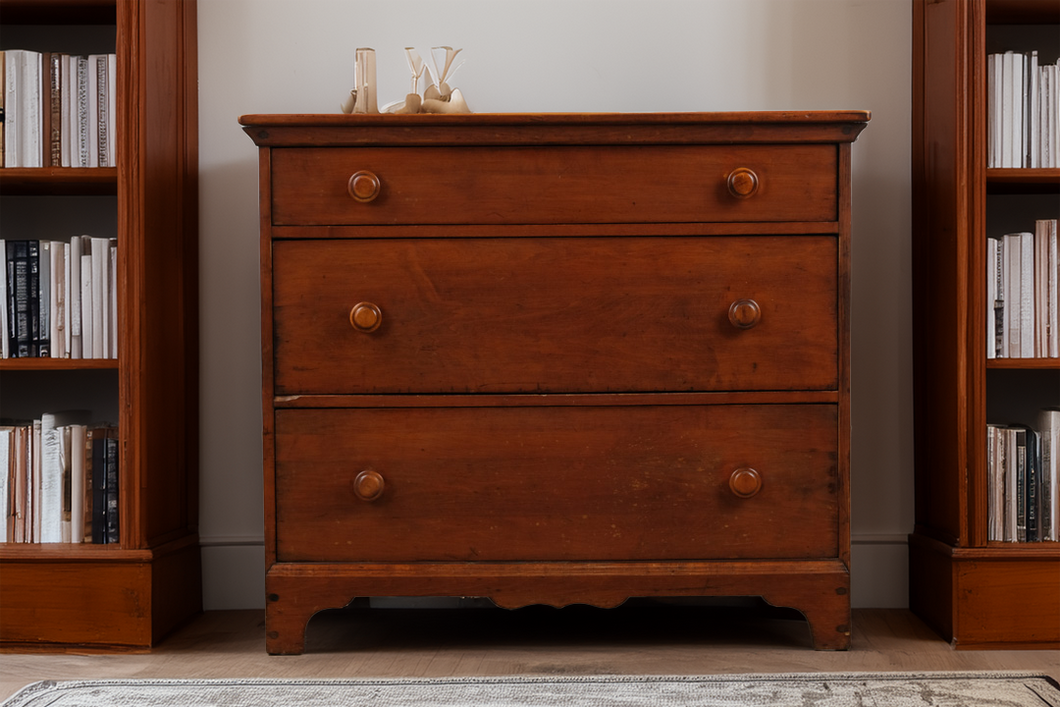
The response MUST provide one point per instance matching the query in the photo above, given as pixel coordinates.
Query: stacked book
(59, 109)
(59, 481)
(1022, 281)
(1023, 103)
(1022, 478)
(59, 299)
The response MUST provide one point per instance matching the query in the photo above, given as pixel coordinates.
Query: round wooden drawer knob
(745, 482)
(368, 485)
(742, 182)
(366, 317)
(363, 186)
(744, 313)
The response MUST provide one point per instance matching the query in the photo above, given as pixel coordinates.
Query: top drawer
(553, 184)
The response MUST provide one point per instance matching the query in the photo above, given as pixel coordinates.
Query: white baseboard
(233, 571)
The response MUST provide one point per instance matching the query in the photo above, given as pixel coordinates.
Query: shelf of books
(97, 439)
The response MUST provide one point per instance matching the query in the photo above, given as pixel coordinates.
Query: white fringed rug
(791, 690)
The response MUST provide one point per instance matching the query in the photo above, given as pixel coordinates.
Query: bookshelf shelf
(1025, 364)
(127, 595)
(59, 181)
(961, 583)
(57, 364)
(1022, 181)
(58, 12)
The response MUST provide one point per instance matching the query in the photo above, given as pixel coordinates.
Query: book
(74, 298)
(3, 90)
(7, 438)
(1049, 428)
(13, 59)
(113, 496)
(98, 64)
(44, 291)
(106, 483)
(995, 308)
(100, 297)
(1026, 296)
(78, 487)
(55, 474)
(53, 122)
(30, 111)
(5, 322)
(20, 482)
(18, 268)
(81, 110)
(88, 320)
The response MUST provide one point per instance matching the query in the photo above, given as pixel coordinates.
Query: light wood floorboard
(645, 640)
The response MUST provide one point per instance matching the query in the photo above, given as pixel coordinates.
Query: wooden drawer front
(560, 483)
(495, 185)
(555, 315)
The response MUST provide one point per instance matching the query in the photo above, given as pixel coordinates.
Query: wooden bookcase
(129, 595)
(974, 592)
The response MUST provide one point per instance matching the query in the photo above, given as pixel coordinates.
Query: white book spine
(1027, 295)
(112, 131)
(1053, 289)
(112, 300)
(88, 338)
(99, 298)
(13, 60)
(51, 492)
(82, 143)
(992, 124)
(1049, 425)
(69, 84)
(31, 106)
(78, 485)
(75, 298)
(1033, 111)
(991, 297)
(1012, 295)
(7, 435)
(68, 304)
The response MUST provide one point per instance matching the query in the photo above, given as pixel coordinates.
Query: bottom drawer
(637, 482)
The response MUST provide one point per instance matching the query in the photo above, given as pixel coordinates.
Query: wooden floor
(644, 639)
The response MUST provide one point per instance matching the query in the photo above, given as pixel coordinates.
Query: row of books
(59, 299)
(1023, 110)
(1023, 504)
(59, 109)
(59, 481)
(1023, 275)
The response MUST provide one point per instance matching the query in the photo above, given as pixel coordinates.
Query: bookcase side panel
(161, 279)
(940, 227)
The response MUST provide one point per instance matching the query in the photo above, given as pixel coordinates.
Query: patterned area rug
(794, 690)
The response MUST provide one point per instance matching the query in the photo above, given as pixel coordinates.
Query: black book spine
(99, 490)
(1033, 487)
(18, 298)
(33, 292)
(113, 510)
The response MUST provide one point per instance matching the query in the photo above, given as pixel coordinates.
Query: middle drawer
(498, 315)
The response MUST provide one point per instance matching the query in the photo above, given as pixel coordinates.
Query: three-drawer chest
(556, 359)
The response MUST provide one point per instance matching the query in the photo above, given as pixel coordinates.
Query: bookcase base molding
(297, 591)
(983, 594)
(99, 598)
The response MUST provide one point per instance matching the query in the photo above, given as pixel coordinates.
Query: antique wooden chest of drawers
(563, 358)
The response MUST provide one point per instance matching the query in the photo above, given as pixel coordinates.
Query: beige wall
(296, 56)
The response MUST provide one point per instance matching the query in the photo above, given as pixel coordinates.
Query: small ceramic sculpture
(438, 97)
(416, 66)
(362, 98)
